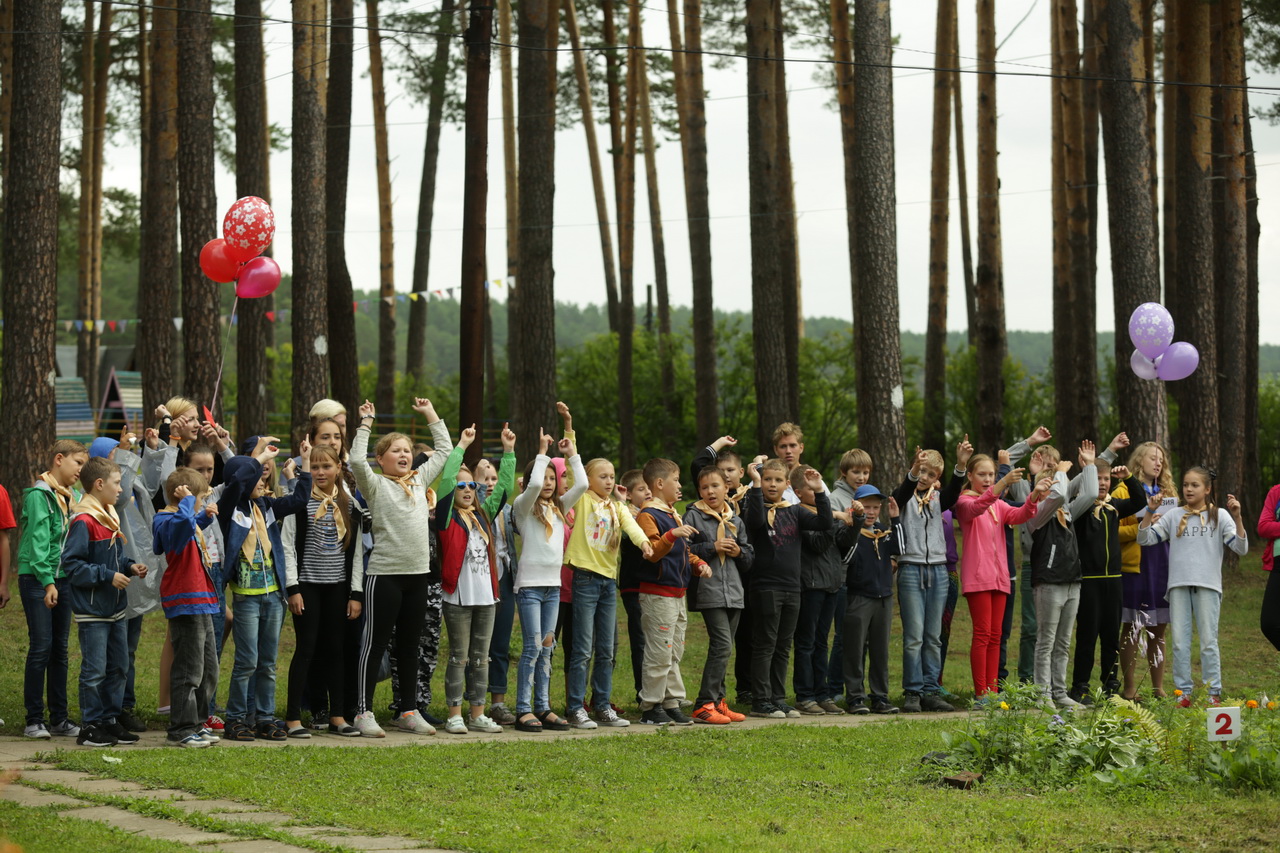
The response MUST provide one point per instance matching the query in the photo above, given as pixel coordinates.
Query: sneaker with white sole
(66, 728)
(579, 719)
(36, 730)
(368, 725)
(609, 717)
(412, 722)
(1066, 703)
(210, 735)
(455, 725)
(483, 724)
(191, 742)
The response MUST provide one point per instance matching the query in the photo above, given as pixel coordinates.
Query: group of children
(373, 565)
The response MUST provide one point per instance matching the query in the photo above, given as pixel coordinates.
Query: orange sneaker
(725, 710)
(707, 713)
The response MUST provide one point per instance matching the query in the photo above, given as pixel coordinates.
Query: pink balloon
(1179, 361)
(1143, 367)
(249, 227)
(258, 277)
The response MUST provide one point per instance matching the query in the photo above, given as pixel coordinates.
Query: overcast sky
(1024, 125)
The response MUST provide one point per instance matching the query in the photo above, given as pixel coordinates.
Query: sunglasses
(472, 485)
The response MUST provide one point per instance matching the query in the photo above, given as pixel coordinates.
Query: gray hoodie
(724, 587)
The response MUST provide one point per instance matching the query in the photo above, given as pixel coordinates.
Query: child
(94, 562)
(7, 523)
(637, 495)
(539, 515)
(470, 580)
(324, 577)
(190, 606)
(255, 569)
(663, 584)
(396, 584)
(869, 549)
(506, 560)
(774, 526)
(1269, 529)
(43, 586)
(1016, 495)
(1198, 532)
(855, 471)
(923, 585)
(821, 576)
(984, 570)
(721, 541)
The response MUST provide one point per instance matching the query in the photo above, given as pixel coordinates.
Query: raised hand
(1035, 465)
(544, 442)
(1040, 436)
(1119, 472)
(1003, 458)
(1154, 502)
(893, 507)
(367, 410)
(467, 436)
(1233, 507)
(152, 437)
(181, 492)
(1009, 479)
(265, 454)
(753, 469)
(813, 480)
(722, 442)
(1041, 489)
(290, 468)
(508, 439)
(562, 409)
(1120, 442)
(1088, 453)
(161, 413)
(856, 508)
(304, 448)
(567, 447)
(964, 452)
(423, 406)
(1065, 465)
(917, 461)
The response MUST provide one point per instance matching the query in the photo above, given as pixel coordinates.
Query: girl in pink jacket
(984, 570)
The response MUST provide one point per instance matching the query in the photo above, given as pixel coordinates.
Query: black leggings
(1271, 609)
(320, 629)
(399, 603)
(1098, 619)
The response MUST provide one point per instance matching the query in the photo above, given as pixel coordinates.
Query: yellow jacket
(1130, 550)
(595, 542)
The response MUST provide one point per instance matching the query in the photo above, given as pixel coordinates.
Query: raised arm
(506, 474)
(359, 456)
(579, 488)
(440, 440)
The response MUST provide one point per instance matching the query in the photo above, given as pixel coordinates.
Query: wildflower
(1271, 706)
(1177, 692)
(1252, 703)
(1004, 706)
(1056, 720)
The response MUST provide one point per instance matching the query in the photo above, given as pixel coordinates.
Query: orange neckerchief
(548, 510)
(407, 482)
(922, 499)
(467, 515)
(737, 496)
(63, 494)
(329, 504)
(1100, 504)
(1202, 516)
(875, 536)
(725, 528)
(104, 515)
(257, 534)
(774, 507)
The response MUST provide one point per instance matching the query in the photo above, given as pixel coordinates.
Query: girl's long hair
(974, 461)
(545, 508)
(1208, 475)
(324, 453)
(1165, 480)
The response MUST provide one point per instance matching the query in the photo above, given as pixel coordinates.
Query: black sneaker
(431, 718)
(678, 717)
(882, 706)
(745, 698)
(119, 732)
(910, 704)
(934, 702)
(768, 710)
(1080, 693)
(656, 717)
(94, 736)
(131, 721)
(857, 706)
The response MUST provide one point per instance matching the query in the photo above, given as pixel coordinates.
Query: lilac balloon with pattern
(1151, 328)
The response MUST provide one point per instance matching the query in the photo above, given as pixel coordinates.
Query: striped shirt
(323, 556)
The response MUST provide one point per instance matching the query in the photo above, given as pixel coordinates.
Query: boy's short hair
(797, 477)
(728, 454)
(189, 477)
(933, 459)
(658, 469)
(97, 468)
(630, 478)
(66, 447)
(1048, 451)
(785, 429)
(856, 458)
(711, 471)
(773, 465)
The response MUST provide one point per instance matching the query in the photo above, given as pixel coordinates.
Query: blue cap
(867, 491)
(249, 445)
(101, 448)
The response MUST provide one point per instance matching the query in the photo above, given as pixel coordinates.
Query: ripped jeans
(470, 628)
(539, 607)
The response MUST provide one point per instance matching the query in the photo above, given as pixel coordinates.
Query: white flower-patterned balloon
(249, 227)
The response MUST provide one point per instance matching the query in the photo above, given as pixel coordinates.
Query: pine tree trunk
(29, 244)
(6, 84)
(613, 90)
(101, 83)
(935, 347)
(962, 188)
(989, 283)
(1131, 220)
(310, 276)
(1198, 436)
(533, 377)
(1091, 88)
(845, 71)
(1149, 52)
(705, 380)
(627, 249)
(87, 336)
(1253, 475)
(1169, 166)
(197, 202)
(509, 163)
(679, 85)
(253, 153)
(1063, 332)
(385, 391)
(344, 366)
(158, 255)
(878, 348)
(785, 222)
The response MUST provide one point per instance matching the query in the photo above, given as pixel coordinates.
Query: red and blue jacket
(186, 587)
(90, 559)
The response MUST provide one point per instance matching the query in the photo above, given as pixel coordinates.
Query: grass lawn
(45, 830)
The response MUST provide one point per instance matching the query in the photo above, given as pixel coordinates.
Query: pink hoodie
(983, 561)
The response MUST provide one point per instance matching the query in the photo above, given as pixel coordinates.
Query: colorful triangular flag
(271, 315)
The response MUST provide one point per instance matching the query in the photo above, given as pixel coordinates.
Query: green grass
(48, 830)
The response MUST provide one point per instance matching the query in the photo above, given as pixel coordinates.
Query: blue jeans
(922, 596)
(539, 608)
(595, 608)
(1201, 605)
(256, 630)
(817, 609)
(47, 634)
(500, 642)
(104, 666)
(835, 663)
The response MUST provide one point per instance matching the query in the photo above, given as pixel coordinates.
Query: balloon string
(231, 321)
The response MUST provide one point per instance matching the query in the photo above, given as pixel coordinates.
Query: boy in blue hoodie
(254, 568)
(869, 551)
(98, 572)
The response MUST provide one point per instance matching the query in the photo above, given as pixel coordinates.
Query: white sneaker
(579, 720)
(368, 726)
(191, 742)
(1066, 703)
(66, 728)
(37, 731)
(455, 725)
(609, 717)
(484, 724)
(412, 722)
(209, 735)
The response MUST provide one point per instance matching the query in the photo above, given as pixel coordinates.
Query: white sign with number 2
(1224, 723)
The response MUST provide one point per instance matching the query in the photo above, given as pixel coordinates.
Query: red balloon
(249, 227)
(217, 262)
(258, 278)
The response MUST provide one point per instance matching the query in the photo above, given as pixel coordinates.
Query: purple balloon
(1143, 367)
(1179, 361)
(1151, 328)
(258, 277)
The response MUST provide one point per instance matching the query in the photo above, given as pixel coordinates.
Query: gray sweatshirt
(401, 522)
(1195, 557)
(1021, 490)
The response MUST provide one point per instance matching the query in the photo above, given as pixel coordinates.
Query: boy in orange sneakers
(720, 539)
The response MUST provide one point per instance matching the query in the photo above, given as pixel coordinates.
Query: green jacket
(44, 528)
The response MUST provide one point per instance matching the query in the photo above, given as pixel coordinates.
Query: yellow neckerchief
(257, 534)
(922, 500)
(1202, 516)
(875, 536)
(60, 492)
(607, 506)
(725, 528)
(548, 510)
(407, 482)
(1062, 517)
(467, 516)
(329, 504)
(773, 509)
(104, 515)
(736, 498)
(1100, 504)
(991, 509)
(204, 550)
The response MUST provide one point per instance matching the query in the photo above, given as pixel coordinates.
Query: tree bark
(785, 222)
(845, 71)
(310, 314)
(197, 202)
(627, 248)
(613, 91)
(95, 65)
(385, 392)
(29, 244)
(510, 166)
(1253, 476)
(935, 347)
(253, 152)
(344, 366)
(989, 283)
(1063, 332)
(1149, 52)
(1169, 167)
(1131, 220)
(962, 187)
(6, 84)
(1091, 89)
